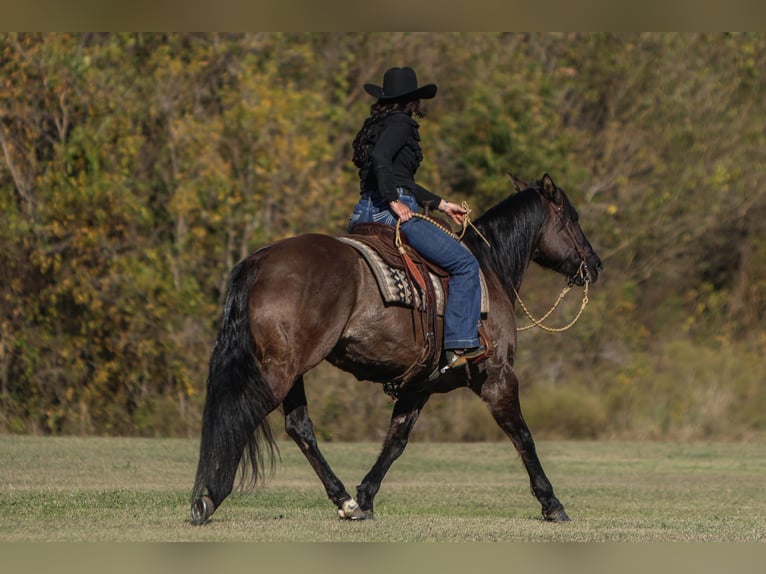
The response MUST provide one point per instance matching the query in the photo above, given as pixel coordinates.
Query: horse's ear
(550, 191)
(518, 184)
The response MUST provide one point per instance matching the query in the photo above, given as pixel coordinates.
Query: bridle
(582, 275)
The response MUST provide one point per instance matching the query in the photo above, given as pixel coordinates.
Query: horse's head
(562, 245)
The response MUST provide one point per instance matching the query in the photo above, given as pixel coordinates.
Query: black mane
(511, 227)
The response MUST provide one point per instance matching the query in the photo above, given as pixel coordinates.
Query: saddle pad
(394, 286)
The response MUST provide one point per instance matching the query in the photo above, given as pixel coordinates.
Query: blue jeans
(463, 310)
(371, 209)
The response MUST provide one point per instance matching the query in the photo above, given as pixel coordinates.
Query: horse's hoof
(362, 515)
(201, 510)
(350, 510)
(556, 515)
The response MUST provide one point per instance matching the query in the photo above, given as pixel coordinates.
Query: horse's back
(309, 269)
(303, 292)
(308, 258)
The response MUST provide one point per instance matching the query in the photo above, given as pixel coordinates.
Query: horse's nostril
(597, 264)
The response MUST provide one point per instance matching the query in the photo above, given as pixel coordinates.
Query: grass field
(109, 489)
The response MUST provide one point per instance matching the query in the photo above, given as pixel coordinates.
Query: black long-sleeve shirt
(394, 160)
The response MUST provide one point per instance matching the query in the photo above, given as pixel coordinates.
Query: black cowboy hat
(401, 84)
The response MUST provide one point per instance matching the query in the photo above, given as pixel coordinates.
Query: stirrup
(455, 360)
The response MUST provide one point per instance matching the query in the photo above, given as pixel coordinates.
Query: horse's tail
(235, 426)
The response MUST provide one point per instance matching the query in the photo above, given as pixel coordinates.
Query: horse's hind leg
(300, 428)
(406, 412)
(502, 397)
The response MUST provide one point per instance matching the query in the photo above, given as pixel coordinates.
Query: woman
(387, 152)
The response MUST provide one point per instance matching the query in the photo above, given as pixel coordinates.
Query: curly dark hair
(379, 111)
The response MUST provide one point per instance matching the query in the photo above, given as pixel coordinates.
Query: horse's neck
(511, 243)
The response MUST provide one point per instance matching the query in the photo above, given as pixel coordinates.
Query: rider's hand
(402, 211)
(455, 211)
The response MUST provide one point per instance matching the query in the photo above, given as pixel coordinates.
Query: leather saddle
(382, 238)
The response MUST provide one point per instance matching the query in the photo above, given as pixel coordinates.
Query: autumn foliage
(137, 169)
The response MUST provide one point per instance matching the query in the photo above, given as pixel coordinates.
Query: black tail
(234, 424)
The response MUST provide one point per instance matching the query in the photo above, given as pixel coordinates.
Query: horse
(308, 298)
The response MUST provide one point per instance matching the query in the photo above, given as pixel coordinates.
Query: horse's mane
(511, 227)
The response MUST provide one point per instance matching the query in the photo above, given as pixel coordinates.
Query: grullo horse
(309, 298)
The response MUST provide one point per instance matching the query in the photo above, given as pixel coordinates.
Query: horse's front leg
(406, 411)
(501, 394)
(300, 428)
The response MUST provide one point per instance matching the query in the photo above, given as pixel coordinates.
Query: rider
(387, 152)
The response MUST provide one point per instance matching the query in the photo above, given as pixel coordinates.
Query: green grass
(109, 489)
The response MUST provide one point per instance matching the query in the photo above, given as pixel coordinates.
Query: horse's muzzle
(587, 273)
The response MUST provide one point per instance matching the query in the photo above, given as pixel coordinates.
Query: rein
(535, 322)
(539, 322)
(466, 223)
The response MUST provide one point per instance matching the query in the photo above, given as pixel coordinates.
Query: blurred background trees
(136, 169)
